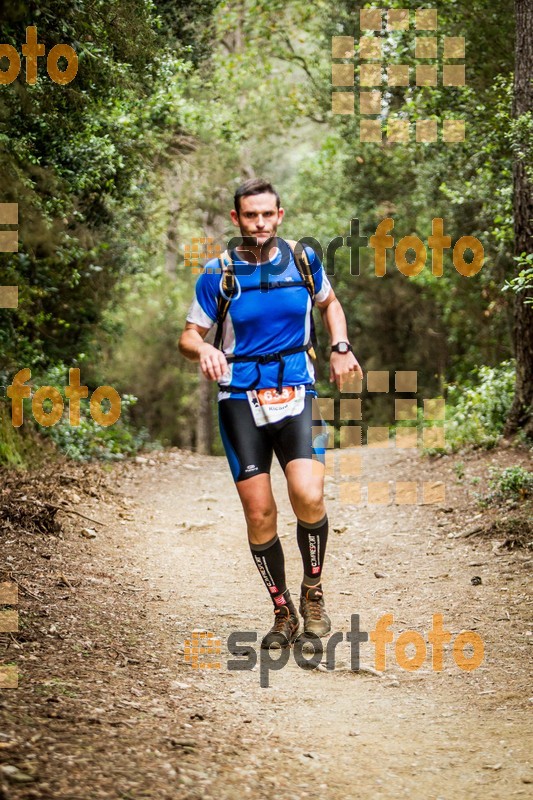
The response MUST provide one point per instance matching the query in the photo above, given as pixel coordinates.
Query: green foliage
(441, 326)
(524, 280)
(510, 485)
(78, 160)
(190, 25)
(514, 483)
(174, 104)
(459, 469)
(21, 448)
(141, 356)
(11, 443)
(90, 440)
(477, 410)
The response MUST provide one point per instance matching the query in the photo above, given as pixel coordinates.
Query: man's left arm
(341, 364)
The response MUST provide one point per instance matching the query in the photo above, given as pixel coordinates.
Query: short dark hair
(254, 186)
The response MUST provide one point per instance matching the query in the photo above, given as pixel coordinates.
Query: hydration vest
(229, 288)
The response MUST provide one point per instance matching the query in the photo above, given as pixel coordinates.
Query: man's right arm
(191, 344)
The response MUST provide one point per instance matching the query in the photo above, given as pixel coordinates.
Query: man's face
(258, 216)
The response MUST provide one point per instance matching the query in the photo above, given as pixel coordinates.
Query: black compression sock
(270, 562)
(312, 538)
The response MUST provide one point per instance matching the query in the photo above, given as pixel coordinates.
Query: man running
(262, 306)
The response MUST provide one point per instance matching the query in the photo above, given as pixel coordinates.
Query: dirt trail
(420, 734)
(137, 721)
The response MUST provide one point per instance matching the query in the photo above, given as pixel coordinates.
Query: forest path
(419, 734)
(108, 708)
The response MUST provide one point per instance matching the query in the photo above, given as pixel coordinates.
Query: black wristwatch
(342, 347)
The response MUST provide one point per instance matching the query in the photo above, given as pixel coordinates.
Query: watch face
(342, 347)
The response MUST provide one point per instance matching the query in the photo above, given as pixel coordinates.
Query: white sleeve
(197, 315)
(324, 290)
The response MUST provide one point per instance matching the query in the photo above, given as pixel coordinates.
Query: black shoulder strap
(304, 268)
(229, 289)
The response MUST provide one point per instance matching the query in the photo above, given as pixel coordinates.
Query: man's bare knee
(259, 517)
(308, 503)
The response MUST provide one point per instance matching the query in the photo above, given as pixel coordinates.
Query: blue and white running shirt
(260, 322)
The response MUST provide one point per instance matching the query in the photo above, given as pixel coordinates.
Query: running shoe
(313, 611)
(284, 630)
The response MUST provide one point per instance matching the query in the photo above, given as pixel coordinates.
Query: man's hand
(212, 362)
(341, 366)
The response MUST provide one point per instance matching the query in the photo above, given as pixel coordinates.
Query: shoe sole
(315, 633)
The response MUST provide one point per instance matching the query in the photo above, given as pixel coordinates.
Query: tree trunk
(173, 185)
(521, 413)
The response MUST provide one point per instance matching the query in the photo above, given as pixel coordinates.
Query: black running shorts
(249, 449)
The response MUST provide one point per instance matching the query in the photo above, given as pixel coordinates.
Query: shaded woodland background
(173, 106)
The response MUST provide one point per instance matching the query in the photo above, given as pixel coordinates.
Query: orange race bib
(271, 396)
(269, 405)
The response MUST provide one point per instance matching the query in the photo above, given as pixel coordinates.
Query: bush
(476, 412)
(512, 483)
(11, 445)
(88, 440)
